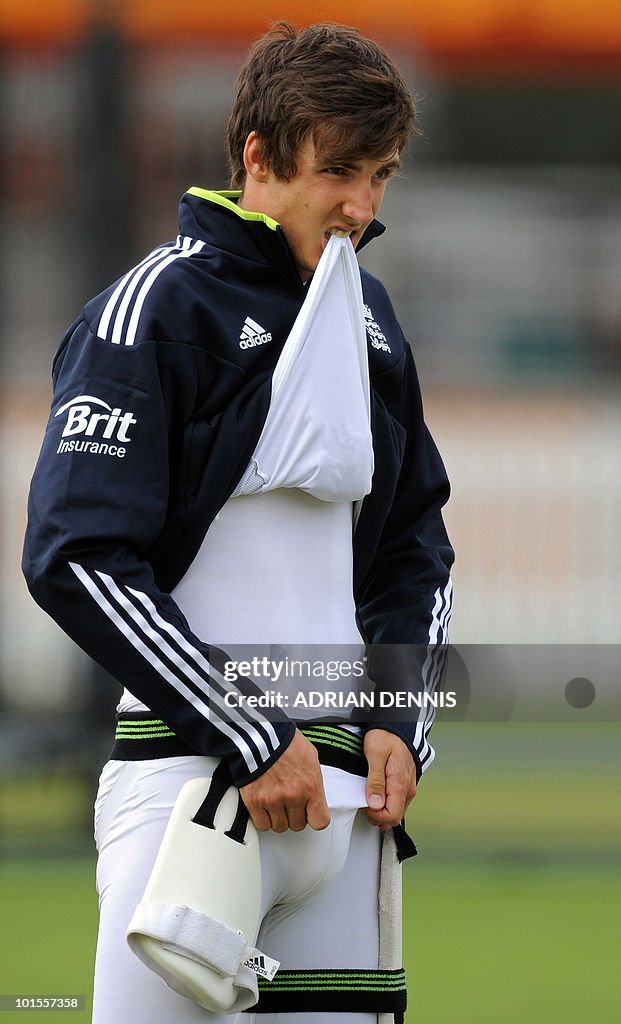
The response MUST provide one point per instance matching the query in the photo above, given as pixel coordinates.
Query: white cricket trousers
(319, 905)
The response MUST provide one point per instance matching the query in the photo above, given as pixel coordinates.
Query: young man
(194, 490)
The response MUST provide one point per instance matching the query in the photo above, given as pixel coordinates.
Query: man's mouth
(340, 233)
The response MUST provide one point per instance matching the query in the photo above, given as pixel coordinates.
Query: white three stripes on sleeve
(192, 677)
(433, 667)
(132, 291)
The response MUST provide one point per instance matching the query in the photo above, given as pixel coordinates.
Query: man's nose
(358, 204)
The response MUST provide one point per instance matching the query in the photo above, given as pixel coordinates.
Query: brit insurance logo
(94, 428)
(376, 334)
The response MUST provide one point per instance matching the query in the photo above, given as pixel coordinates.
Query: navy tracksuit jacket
(159, 401)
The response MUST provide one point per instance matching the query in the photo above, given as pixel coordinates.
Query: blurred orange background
(466, 33)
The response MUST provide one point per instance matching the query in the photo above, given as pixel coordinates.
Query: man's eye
(336, 170)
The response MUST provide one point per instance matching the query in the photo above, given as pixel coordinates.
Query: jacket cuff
(238, 767)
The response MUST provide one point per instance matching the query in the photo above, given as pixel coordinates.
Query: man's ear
(254, 161)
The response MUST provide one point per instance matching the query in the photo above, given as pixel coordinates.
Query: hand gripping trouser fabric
(319, 910)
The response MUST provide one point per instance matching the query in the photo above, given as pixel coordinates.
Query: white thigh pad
(200, 910)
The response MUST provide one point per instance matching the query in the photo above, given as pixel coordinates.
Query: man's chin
(305, 271)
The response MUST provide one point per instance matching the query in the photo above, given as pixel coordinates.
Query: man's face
(325, 195)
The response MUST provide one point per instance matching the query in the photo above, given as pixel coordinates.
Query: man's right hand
(290, 793)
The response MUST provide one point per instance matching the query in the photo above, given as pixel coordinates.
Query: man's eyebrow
(393, 163)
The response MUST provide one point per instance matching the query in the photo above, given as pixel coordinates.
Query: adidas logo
(253, 334)
(377, 336)
(256, 962)
(263, 965)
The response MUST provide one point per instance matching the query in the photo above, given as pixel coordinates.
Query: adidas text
(263, 965)
(253, 334)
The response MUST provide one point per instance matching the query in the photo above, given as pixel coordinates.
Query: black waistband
(141, 736)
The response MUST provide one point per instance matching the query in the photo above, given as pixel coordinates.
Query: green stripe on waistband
(334, 736)
(336, 981)
(334, 992)
(142, 730)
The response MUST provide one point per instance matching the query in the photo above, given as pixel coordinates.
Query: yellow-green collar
(225, 198)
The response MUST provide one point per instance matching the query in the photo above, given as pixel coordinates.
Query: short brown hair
(325, 81)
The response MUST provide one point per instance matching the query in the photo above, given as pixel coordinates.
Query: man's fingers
(390, 814)
(290, 793)
(391, 780)
(280, 822)
(376, 800)
(293, 816)
(376, 780)
(260, 819)
(399, 794)
(296, 816)
(318, 813)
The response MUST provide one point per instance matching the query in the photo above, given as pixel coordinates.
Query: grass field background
(512, 906)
